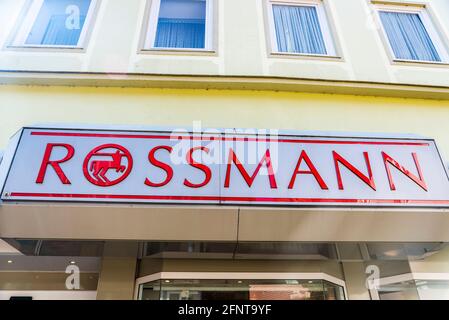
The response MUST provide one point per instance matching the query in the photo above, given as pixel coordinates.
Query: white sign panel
(159, 167)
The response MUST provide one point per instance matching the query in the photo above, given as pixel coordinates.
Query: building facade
(358, 70)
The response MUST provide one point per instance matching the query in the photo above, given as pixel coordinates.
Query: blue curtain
(298, 29)
(57, 33)
(408, 36)
(180, 33)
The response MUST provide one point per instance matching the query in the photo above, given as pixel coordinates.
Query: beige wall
(241, 46)
(119, 222)
(23, 281)
(117, 278)
(118, 271)
(355, 279)
(208, 223)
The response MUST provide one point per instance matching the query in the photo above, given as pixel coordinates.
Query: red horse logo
(99, 168)
(96, 170)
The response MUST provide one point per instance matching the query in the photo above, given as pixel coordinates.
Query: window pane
(433, 289)
(333, 292)
(399, 291)
(235, 289)
(151, 291)
(285, 251)
(191, 250)
(181, 24)
(408, 36)
(298, 30)
(59, 22)
(71, 248)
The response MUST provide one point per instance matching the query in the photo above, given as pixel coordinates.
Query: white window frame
(151, 29)
(29, 20)
(236, 276)
(429, 25)
(323, 20)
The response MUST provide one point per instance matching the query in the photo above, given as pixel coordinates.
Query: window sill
(419, 63)
(47, 48)
(178, 51)
(289, 55)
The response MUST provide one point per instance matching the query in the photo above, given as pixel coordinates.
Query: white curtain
(408, 36)
(298, 29)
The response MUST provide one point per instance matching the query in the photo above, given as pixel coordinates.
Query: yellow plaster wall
(26, 105)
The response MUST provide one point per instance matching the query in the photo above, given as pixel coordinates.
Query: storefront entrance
(240, 286)
(224, 270)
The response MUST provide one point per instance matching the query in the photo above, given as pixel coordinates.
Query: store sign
(220, 168)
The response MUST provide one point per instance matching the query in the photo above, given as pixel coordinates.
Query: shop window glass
(241, 290)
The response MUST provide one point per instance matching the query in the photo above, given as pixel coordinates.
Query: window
(300, 27)
(55, 23)
(411, 34)
(180, 24)
(413, 286)
(240, 289)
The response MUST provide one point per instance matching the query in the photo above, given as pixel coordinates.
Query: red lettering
(312, 170)
(55, 164)
(168, 170)
(200, 166)
(389, 160)
(250, 179)
(368, 180)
